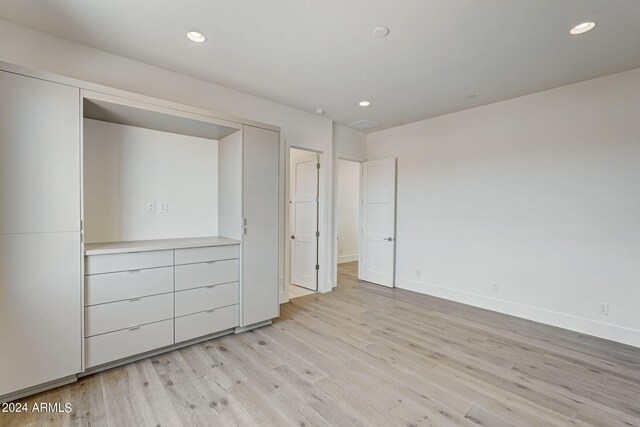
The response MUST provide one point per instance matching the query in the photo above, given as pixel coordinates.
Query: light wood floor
(370, 356)
(298, 291)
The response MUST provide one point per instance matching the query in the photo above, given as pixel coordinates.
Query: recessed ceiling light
(364, 103)
(381, 31)
(197, 37)
(582, 28)
(319, 111)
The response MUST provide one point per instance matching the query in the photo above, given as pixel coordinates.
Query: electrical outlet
(603, 308)
(341, 251)
(418, 273)
(151, 207)
(495, 288)
(163, 207)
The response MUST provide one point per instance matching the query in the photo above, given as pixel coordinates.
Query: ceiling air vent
(363, 124)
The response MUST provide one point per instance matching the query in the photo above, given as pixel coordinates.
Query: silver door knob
(390, 239)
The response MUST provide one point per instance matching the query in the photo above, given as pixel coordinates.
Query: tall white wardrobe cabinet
(71, 306)
(40, 250)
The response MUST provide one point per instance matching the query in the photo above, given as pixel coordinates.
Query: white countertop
(155, 245)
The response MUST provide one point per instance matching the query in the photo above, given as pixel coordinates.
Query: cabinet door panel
(260, 275)
(202, 299)
(260, 241)
(205, 323)
(212, 253)
(205, 274)
(113, 316)
(110, 287)
(261, 176)
(116, 345)
(39, 155)
(112, 263)
(40, 308)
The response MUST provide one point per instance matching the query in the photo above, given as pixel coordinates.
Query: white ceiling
(322, 54)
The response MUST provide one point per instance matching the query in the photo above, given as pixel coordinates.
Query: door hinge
(317, 234)
(317, 199)
(317, 267)
(318, 165)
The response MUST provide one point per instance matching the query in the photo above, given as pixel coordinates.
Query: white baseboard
(283, 298)
(578, 324)
(347, 258)
(327, 288)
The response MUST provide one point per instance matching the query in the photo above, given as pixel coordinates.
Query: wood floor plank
(388, 397)
(481, 417)
(120, 405)
(150, 397)
(367, 411)
(258, 407)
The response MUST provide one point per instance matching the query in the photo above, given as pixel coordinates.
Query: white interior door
(304, 222)
(378, 222)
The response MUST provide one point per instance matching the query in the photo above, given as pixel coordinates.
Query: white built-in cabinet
(154, 294)
(40, 248)
(247, 162)
(260, 233)
(69, 307)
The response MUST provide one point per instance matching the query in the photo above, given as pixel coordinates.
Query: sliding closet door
(40, 259)
(260, 239)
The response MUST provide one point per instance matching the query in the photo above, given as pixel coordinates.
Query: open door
(304, 222)
(378, 222)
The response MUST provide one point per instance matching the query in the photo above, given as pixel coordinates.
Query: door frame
(323, 217)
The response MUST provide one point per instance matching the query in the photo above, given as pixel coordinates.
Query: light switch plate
(163, 207)
(151, 207)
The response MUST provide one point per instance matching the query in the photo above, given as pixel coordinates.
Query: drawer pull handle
(209, 262)
(134, 299)
(211, 311)
(134, 271)
(134, 328)
(209, 286)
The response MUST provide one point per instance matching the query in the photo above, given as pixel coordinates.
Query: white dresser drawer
(210, 253)
(120, 344)
(96, 264)
(102, 318)
(109, 287)
(205, 323)
(201, 299)
(204, 274)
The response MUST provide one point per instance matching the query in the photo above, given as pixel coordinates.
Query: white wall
(30, 48)
(349, 143)
(539, 195)
(348, 210)
(125, 167)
